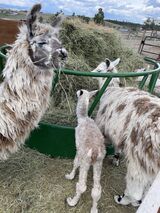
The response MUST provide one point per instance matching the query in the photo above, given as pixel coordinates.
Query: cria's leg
(73, 172)
(135, 185)
(81, 185)
(96, 191)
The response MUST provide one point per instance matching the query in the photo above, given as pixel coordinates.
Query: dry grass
(88, 45)
(31, 182)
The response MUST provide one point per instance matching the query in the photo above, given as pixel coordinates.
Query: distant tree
(84, 18)
(73, 14)
(99, 17)
(149, 24)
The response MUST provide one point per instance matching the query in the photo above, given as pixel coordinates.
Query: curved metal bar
(114, 75)
(2, 48)
(99, 95)
(155, 73)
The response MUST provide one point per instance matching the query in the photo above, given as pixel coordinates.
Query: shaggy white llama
(90, 151)
(131, 118)
(110, 66)
(25, 90)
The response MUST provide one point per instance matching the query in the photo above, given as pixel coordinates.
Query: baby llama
(90, 151)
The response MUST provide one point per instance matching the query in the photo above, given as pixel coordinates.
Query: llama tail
(95, 155)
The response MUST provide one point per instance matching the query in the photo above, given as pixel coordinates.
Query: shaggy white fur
(131, 119)
(90, 151)
(25, 90)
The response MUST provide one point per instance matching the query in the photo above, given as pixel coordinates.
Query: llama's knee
(96, 193)
(81, 187)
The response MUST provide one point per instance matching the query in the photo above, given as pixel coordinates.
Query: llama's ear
(92, 93)
(79, 93)
(57, 22)
(31, 18)
(108, 62)
(116, 62)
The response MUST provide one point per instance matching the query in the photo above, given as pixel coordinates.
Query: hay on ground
(32, 182)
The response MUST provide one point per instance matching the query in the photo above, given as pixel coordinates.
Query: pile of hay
(88, 45)
(32, 182)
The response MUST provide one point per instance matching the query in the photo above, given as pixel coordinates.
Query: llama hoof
(69, 177)
(94, 210)
(118, 199)
(116, 159)
(70, 201)
(116, 162)
(136, 203)
(121, 199)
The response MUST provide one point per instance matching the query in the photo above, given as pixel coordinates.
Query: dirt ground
(8, 31)
(134, 40)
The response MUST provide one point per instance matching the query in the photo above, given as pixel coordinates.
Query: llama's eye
(42, 43)
(99, 71)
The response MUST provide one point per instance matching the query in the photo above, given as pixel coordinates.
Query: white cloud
(135, 10)
(21, 3)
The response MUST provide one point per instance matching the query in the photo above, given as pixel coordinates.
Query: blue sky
(127, 10)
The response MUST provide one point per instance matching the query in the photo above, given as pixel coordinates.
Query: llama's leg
(135, 185)
(116, 159)
(73, 172)
(81, 185)
(117, 155)
(96, 191)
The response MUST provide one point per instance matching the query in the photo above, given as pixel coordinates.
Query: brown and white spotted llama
(25, 90)
(131, 118)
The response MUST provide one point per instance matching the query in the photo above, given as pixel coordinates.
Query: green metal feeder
(59, 141)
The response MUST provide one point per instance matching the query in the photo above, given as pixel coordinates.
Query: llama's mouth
(59, 58)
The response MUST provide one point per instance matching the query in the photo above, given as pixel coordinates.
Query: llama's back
(89, 137)
(131, 118)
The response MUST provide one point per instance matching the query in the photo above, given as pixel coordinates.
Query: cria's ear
(108, 62)
(116, 62)
(79, 93)
(57, 22)
(31, 18)
(92, 93)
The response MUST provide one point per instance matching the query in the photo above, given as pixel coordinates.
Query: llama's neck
(114, 82)
(21, 76)
(82, 109)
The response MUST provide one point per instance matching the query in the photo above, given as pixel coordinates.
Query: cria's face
(47, 51)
